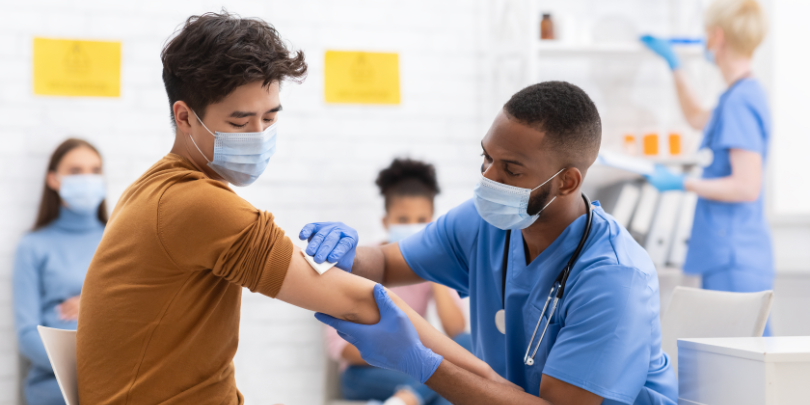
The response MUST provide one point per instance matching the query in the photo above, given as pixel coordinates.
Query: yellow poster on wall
(361, 77)
(64, 67)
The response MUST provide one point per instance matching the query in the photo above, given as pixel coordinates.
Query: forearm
(695, 114)
(723, 189)
(385, 265)
(743, 185)
(443, 345)
(369, 262)
(459, 386)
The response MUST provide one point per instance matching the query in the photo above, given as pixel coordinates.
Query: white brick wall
(327, 159)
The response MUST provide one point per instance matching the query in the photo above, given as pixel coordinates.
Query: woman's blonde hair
(743, 23)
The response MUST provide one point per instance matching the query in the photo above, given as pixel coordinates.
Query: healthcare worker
(596, 340)
(731, 243)
(159, 320)
(52, 260)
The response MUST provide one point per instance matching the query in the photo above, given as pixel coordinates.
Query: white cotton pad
(320, 268)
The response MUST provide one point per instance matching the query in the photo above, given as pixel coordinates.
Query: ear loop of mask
(544, 183)
(195, 143)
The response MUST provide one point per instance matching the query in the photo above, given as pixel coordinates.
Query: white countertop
(765, 349)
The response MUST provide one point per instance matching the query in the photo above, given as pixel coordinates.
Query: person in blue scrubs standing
(52, 260)
(731, 243)
(602, 344)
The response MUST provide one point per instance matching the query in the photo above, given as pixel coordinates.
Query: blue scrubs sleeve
(741, 126)
(604, 344)
(440, 253)
(27, 306)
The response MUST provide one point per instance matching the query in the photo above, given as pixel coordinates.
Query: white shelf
(556, 48)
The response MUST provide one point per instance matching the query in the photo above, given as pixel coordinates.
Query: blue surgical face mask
(240, 158)
(82, 193)
(505, 207)
(398, 232)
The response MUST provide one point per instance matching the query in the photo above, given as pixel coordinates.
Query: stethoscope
(557, 288)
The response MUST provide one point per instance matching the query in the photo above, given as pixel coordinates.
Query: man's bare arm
(462, 387)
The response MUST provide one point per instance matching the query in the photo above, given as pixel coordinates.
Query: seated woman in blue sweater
(52, 260)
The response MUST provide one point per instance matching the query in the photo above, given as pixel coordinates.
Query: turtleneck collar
(71, 221)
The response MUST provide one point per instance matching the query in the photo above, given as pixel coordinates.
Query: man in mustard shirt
(159, 320)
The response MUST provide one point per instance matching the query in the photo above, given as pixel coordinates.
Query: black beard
(537, 202)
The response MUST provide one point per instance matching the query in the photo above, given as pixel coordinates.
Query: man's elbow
(364, 311)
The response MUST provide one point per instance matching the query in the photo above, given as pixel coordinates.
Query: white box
(740, 371)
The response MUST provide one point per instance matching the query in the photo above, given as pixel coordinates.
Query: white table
(761, 371)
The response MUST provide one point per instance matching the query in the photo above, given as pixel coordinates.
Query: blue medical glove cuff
(665, 180)
(429, 360)
(663, 49)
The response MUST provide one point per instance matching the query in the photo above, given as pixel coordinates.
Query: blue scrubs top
(605, 336)
(733, 235)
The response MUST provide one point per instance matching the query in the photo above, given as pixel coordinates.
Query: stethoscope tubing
(557, 288)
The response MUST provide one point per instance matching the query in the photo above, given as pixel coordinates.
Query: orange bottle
(630, 145)
(650, 144)
(546, 27)
(674, 144)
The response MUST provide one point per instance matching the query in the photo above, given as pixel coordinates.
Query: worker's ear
(570, 181)
(385, 222)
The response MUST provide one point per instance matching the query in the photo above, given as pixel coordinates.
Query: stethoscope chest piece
(530, 362)
(500, 321)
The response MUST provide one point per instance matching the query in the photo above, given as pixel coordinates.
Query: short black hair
(215, 53)
(565, 114)
(406, 177)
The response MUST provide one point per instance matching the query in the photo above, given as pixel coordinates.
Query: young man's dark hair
(567, 117)
(216, 53)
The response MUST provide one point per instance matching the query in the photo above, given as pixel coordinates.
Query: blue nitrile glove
(391, 343)
(662, 48)
(665, 180)
(331, 241)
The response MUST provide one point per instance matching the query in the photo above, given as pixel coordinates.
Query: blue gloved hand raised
(391, 343)
(663, 49)
(331, 241)
(665, 180)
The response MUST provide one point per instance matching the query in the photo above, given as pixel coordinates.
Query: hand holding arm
(394, 344)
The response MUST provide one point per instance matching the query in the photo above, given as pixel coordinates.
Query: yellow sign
(361, 77)
(65, 67)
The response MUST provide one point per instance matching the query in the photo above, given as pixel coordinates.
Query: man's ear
(385, 222)
(182, 116)
(571, 181)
